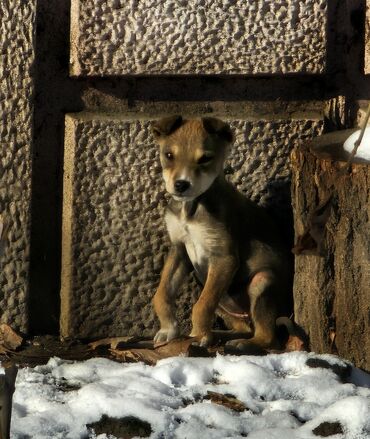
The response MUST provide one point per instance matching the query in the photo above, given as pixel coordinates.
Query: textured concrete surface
(367, 39)
(119, 37)
(114, 240)
(16, 90)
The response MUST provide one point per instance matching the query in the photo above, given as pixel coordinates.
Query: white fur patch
(196, 244)
(176, 227)
(198, 238)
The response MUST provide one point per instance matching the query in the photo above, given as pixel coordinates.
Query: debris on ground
(123, 428)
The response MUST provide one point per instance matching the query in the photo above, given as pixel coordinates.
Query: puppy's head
(192, 153)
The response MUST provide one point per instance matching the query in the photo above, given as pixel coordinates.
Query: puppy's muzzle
(181, 186)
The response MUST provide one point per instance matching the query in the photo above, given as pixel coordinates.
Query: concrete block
(128, 37)
(17, 48)
(114, 240)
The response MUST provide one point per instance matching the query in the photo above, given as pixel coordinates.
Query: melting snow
(286, 398)
(363, 150)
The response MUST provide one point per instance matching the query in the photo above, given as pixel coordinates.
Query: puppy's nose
(181, 186)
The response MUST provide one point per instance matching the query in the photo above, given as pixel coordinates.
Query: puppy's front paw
(166, 334)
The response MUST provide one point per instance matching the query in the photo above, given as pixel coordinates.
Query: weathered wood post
(332, 267)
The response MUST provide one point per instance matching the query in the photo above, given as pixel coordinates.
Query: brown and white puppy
(229, 241)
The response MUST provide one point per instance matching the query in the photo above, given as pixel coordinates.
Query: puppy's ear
(218, 128)
(166, 126)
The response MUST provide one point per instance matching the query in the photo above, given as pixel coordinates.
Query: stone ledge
(114, 241)
(120, 37)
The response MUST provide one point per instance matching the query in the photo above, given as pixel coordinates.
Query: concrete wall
(367, 39)
(114, 242)
(114, 239)
(279, 71)
(120, 37)
(17, 49)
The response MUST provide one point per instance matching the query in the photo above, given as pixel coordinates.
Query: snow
(286, 398)
(364, 148)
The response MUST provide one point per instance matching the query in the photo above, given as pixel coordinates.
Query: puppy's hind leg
(262, 292)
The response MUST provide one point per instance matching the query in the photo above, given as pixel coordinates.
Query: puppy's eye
(169, 156)
(204, 159)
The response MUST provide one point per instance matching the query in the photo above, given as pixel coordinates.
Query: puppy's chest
(197, 237)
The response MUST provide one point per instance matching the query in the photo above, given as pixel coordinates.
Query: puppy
(229, 242)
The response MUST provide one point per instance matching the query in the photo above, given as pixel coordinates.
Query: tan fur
(230, 242)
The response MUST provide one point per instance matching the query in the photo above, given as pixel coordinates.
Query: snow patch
(284, 396)
(363, 150)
